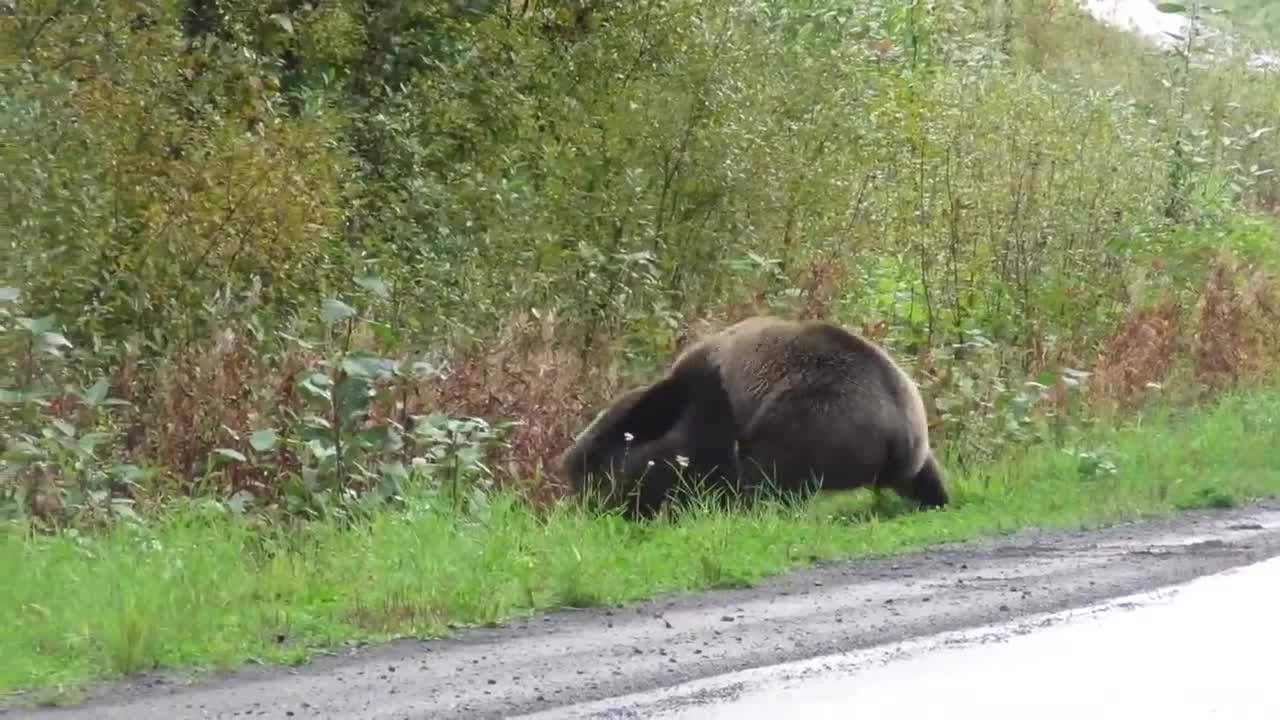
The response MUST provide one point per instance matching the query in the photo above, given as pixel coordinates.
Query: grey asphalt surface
(1135, 656)
(559, 659)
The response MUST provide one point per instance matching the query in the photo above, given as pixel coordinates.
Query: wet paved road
(1138, 16)
(1208, 648)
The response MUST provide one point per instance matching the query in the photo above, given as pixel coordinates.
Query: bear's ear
(643, 416)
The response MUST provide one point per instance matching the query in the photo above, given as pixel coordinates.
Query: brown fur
(767, 405)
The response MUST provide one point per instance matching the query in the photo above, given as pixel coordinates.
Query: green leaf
(89, 441)
(385, 333)
(394, 470)
(38, 325)
(96, 393)
(366, 365)
(316, 386)
(469, 456)
(240, 501)
(332, 310)
(380, 437)
(52, 342)
(1171, 7)
(315, 422)
(65, 427)
(22, 451)
(351, 398)
(129, 473)
(373, 284)
(8, 294)
(230, 454)
(263, 440)
(321, 450)
(284, 21)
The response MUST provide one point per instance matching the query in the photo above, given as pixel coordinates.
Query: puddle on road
(1198, 650)
(1260, 524)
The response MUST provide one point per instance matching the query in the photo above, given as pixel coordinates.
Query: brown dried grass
(208, 396)
(1138, 353)
(1235, 338)
(1230, 335)
(524, 375)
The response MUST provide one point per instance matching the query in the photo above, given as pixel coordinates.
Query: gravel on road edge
(574, 656)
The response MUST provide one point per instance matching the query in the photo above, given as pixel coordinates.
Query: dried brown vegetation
(1235, 334)
(1137, 354)
(1227, 336)
(525, 376)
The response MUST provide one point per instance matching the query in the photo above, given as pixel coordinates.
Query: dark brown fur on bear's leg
(926, 487)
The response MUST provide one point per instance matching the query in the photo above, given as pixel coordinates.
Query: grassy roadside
(207, 590)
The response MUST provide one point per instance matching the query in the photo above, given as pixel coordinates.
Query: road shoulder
(574, 656)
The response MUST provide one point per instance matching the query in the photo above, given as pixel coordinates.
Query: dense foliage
(245, 243)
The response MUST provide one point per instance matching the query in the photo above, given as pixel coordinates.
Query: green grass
(205, 589)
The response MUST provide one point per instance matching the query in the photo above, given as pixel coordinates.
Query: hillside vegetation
(313, 266)
(521, 205)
